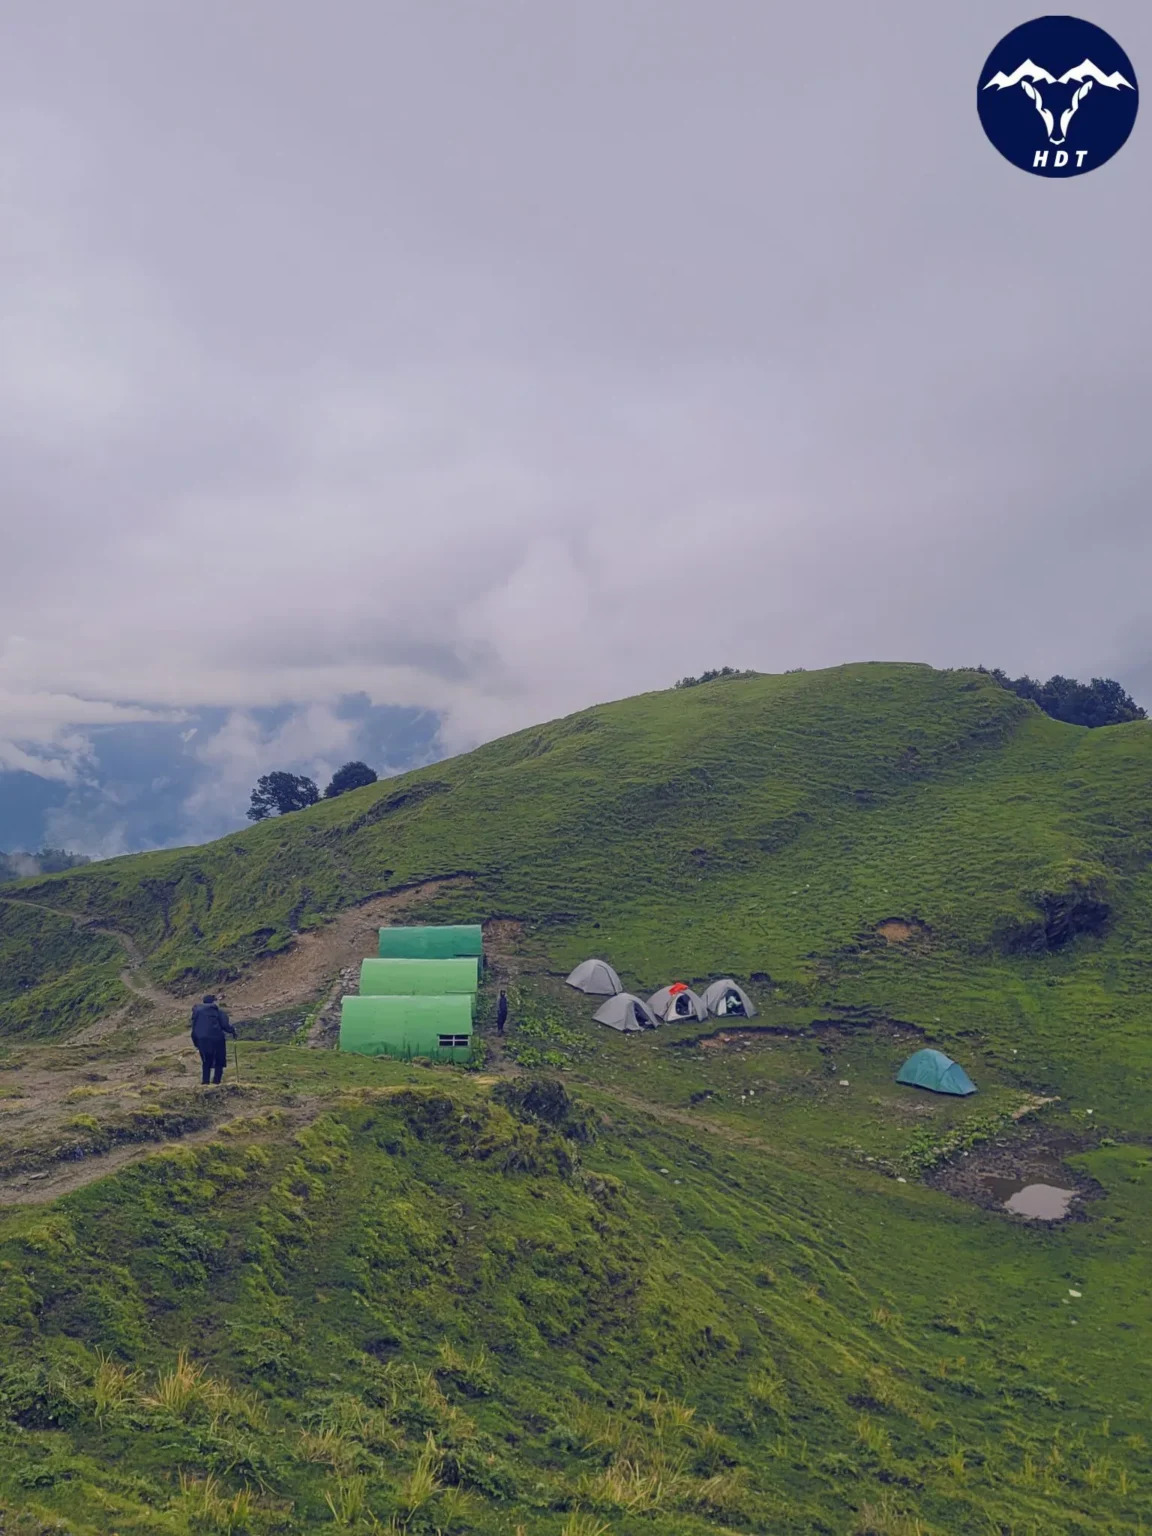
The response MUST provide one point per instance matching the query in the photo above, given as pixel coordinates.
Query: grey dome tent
(626, 1013)
(677, 1007)
(934, 1070)
(725, 998)
(595, 976)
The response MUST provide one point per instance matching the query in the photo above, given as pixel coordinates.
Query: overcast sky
(493, 358)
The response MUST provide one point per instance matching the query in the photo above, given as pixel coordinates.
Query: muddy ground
(1038, 1158)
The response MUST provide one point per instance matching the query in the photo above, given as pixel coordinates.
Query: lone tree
(351, 776)
(279, 793)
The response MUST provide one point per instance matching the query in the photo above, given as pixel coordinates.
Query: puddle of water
(1003, 1189)
(1042, 1202)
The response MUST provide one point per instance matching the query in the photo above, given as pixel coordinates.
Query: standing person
(501, 1013)
(210, 1024)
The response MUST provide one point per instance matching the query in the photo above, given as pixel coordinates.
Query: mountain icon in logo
(1029, 75)
(1033, 107)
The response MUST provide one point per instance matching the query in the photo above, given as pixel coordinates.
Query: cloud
(41, 733)
(22, 864)
(14, 759)
(89, 349)
(87, 830)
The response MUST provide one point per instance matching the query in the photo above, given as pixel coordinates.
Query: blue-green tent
(934, 1070)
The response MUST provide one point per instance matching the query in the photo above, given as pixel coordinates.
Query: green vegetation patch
(461, 1314)
(709, 1283)
(54, 976)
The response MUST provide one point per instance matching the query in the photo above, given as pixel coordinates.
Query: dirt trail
(503, 945)
(133, 976)
(497, 1059)
(143, 1048)
(41, 1186)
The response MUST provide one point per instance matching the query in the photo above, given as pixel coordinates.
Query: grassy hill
(758, 1298)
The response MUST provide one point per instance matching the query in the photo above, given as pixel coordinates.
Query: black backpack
(207, 1013)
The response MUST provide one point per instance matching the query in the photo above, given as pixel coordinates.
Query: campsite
(575, 769)
(719, 1273)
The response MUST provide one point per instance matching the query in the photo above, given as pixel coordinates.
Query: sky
(380, 378)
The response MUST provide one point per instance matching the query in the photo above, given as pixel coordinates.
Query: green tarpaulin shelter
(934, 1070)
(437, 1027)
(420, 978)
(432, 943)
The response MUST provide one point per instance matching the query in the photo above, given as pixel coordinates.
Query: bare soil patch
(900, 930)
(503, 938)
(736, 1037)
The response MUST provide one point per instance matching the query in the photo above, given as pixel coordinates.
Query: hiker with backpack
(210, 1024)
(501, 1013)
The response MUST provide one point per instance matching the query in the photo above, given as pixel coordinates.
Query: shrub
(546, 1101)
(712, 676)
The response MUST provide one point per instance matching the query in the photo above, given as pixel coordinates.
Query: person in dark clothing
(501, 1014)
(210, 1024)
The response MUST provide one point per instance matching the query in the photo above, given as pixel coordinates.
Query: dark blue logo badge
(1057, 96)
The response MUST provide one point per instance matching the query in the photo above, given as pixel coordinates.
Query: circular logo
(1057, 96)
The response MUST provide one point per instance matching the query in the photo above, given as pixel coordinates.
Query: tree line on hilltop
(711, 677)
(1101, 702)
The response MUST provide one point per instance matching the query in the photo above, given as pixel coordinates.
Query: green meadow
(726, 1277)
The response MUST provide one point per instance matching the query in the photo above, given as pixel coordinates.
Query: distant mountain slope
(49, 861)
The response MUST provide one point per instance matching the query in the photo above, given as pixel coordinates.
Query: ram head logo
(1030, 77)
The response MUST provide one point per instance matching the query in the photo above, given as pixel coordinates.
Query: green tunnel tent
(436, 1027)
(447, 942)
(418, 978)
(934, 1070)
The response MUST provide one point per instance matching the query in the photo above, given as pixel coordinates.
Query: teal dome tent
(934, 1070)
